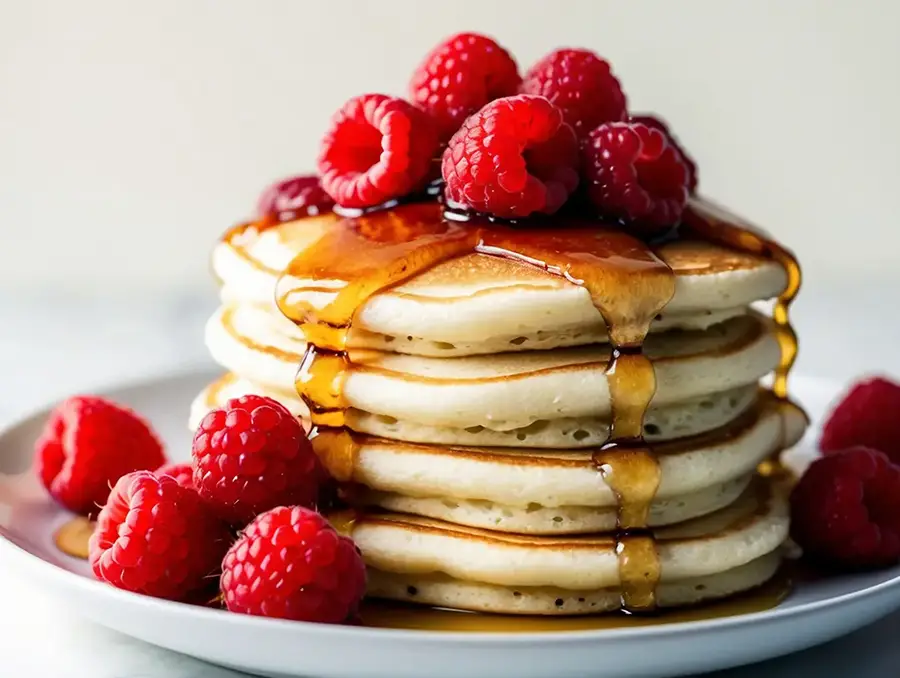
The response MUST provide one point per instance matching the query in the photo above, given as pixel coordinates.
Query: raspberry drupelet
(182, 472)
(461, 75)
(289, 563)
(156, 537)
(252, 455)
(513, 158)
(658, 123)
(635, 176)
(87, 444)
(581, 85)
(866, 416)
(294, 197)
(845, 510)
(378, 148)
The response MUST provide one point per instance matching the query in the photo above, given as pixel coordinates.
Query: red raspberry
(182, 472)
(87, 444)
(289, 563)
(293, 198)
(867, 416)
(581, 84)
(253, 455)
(657, 123)
(156, 537)
(634, 175)
(514, 157)
(378, 148)
(845, 510)
(461, 75)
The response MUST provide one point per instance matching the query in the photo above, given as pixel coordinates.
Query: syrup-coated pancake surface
(477, 303)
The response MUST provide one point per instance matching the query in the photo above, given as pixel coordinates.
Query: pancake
(547, 492)
(505, 391)
(536, 519)
(446, 592)
(688, 418)
(415, 549)
(482, 304)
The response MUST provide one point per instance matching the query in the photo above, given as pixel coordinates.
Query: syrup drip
(628, 284)
(631, 470)
(713, 224)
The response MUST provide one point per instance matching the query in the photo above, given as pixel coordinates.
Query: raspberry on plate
(289, 563)
(253, 455)
(658, 123)
(845, 510)
(461, 75)
(182, 472)
(156, 537)
(514, 157)
(377, 149)
(87, 444)
(581, 84)
(294, 197)
(869, 415)
(635, 175)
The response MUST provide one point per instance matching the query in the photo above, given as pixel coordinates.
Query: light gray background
(132, 134)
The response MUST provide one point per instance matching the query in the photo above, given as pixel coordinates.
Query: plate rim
(63, 577)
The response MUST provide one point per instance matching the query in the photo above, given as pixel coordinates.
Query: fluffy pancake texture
(447, 592)
(505, 391)
(751, 528)
(482, 304)
(687, 418)
(478, 392)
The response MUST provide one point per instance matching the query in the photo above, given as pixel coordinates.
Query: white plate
(814, 612)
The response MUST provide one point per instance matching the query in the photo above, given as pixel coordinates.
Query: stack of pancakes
(476, 397)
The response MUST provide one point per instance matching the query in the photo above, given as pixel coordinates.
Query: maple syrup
(629, 286)
(73, 536)
(713, 224)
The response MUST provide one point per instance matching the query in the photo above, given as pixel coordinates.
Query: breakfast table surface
(52, 347)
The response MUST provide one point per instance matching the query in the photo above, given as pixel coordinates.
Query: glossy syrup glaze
(628, 284)
(382, 249)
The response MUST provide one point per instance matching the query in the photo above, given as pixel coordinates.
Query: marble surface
(52, 346)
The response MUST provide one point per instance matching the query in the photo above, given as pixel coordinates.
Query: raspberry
(293, 198)
(461, 75)
(87, 444)
(514, 157)
(253, 455)
(845, 510)
(291, 564)
(867, 416)
(634, 175)
(657, 123)
(182, 472)
(581, 84)
(378, 148)
(156, 537)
